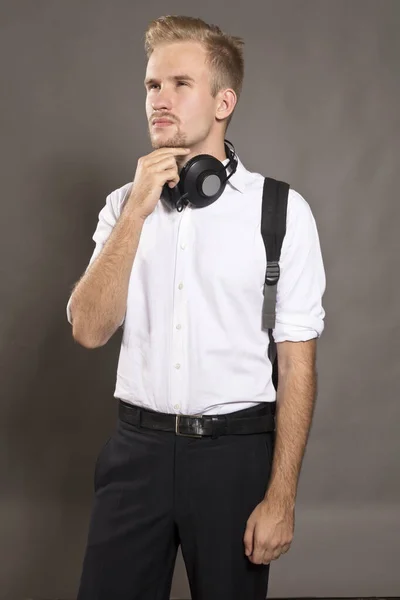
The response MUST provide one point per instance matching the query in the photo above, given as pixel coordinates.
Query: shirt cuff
(294, 330)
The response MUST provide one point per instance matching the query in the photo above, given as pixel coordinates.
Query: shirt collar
(238, 179)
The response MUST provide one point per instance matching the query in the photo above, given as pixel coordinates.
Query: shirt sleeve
(299, 311)
(108, 216)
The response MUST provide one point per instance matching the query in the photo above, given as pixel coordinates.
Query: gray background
(320, 110)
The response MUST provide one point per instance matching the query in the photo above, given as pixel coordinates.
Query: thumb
(248, 539)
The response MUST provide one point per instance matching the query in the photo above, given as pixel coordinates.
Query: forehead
(175, 58)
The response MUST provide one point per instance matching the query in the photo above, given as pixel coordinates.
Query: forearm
(98, 303)
(295, 407)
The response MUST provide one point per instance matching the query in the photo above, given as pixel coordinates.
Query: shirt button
(180, 286)
(179, 326)
(177, 366)
(177, 406)
(183, 246)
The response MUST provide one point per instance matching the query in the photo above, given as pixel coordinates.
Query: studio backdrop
(319, 109)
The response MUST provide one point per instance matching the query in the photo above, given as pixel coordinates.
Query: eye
(153, 86)
(182, 83)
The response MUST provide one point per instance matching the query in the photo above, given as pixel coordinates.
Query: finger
(171, 176)
(172, 149)
(257, 557)
(248, 540)
(258, 551)
(161, 159)
(270, 556)
(168, 162)
(162, 152)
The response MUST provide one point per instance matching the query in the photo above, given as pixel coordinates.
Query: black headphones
(202, 180)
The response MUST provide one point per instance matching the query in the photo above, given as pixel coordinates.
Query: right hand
(152, 172)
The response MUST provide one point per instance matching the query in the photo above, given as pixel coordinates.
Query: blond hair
(224, 52)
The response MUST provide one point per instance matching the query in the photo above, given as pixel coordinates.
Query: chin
(164, 140)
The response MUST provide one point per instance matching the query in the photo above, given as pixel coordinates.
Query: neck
(206, 147)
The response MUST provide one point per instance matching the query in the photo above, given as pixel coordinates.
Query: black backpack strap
(273, 229)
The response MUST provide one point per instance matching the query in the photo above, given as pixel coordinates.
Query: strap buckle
(178, 432)
(273, 273)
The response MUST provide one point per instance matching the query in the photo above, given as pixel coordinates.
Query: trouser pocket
(101, 457)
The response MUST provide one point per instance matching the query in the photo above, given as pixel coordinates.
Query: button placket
(178, 375)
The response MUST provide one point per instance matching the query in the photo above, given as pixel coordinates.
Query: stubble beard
(178, 140)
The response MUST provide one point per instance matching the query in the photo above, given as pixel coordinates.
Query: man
(187, 286)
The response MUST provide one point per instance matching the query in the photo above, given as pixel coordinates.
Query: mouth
(162, 123)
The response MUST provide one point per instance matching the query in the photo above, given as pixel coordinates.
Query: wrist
(284, 499)
(134, 210)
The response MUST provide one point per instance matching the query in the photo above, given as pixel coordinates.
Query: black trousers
(154, 491)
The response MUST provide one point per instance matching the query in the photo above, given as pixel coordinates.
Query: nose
(162, 101)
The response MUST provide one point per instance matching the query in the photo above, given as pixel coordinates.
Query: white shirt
(192, 338)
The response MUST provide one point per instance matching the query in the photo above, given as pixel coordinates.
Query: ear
(226, 102)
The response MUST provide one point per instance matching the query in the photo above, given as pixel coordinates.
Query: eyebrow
(153, 80)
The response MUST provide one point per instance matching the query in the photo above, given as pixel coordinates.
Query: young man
(187, 286)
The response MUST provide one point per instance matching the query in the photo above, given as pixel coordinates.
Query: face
(179, 106)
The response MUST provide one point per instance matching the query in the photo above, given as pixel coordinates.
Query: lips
(162, 122)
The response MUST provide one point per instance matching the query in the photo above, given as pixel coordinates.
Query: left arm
(270, 527)
(299, 322)
(294, 411)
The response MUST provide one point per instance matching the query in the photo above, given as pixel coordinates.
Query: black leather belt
(256, 419)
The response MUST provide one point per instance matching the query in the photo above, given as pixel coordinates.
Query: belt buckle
(194, 435)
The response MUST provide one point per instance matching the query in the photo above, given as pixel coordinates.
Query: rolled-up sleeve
(301, 286)
(107, 218)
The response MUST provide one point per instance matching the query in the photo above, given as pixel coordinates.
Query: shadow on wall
(58, 404)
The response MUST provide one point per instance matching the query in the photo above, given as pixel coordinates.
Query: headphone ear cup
(209, 184)
(202, 180)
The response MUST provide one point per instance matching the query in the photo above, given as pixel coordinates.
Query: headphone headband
(233, 160)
